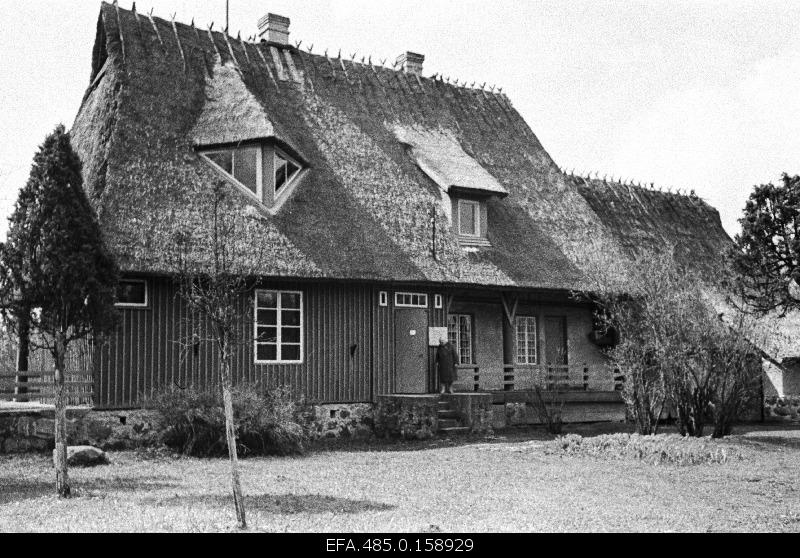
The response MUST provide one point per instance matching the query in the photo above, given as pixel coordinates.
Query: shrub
(266, 422)
(658, 449)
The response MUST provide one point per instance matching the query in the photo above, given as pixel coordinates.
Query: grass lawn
(505, 483)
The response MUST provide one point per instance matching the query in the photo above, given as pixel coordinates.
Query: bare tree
(216, 265)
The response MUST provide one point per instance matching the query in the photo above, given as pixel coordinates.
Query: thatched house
(387, 209)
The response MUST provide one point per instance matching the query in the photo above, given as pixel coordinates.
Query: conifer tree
(55, 271)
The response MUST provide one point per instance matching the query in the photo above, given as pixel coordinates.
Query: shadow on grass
(782, 441)
(17, 489)
(279, 504)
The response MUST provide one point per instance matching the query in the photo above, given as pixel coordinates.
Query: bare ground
(503, 483)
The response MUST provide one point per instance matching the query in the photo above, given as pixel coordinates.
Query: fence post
(23, 351)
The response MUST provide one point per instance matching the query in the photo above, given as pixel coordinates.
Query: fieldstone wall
(782, 408)
(30, 431)
(407, 416)
(340, 421)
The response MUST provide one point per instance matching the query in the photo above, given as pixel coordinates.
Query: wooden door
(411, 350)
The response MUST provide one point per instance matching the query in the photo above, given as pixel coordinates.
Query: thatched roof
(384, 147)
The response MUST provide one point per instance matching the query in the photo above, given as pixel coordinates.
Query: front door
(411, 350)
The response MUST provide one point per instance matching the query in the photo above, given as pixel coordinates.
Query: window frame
(527, 319)
(411, 305)
(259, 193)
(458, 344)
(279, 197)
(476, 212)
(383, 298)
(146, 303)
(278, 326)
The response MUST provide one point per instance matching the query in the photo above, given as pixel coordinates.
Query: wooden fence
(40, 387)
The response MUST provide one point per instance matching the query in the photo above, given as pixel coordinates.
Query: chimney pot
(411, 62)
(274, 28)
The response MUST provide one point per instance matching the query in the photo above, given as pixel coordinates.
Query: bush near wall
(267, 421)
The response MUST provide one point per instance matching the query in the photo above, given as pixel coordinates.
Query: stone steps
(449, 422)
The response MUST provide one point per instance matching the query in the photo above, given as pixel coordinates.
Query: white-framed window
(469, 218)
(411, 300)
(383, 298)
(437, 301)
(526, 340)
(459, 333)
(132, 293)
(244, 165)
(278, 327)
(286, 171)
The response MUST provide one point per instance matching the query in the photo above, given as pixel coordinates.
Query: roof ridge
(493, 90)
(629, 183)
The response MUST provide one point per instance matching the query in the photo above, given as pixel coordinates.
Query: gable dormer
(465, 185)
(237, 139)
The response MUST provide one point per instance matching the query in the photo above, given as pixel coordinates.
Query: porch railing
(39, 387)
(548, 377)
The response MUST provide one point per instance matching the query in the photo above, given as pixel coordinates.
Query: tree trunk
(23, 351)
(62, 478)
(230, 434)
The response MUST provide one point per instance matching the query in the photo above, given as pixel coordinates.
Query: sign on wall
(436, 333)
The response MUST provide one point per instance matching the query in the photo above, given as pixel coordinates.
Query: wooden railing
(39, 387)
(518, 377)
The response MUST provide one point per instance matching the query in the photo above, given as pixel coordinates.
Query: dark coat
(447, 359)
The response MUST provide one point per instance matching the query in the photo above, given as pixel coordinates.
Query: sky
(695, 94)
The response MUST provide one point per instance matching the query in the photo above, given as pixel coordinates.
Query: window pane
(245, 167)
(280, 172)
(267, 317)
(465, 338)
(467, 218)
(266, 352)
(290, 352)
(290, 300)
(290, 335)
(131, 292)
(267, 335)
(222, 158)
(290, 318)
(267, 299)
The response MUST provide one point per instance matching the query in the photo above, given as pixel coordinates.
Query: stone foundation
(33, 430)
(411, 417)
(782, 409)
(340, 421)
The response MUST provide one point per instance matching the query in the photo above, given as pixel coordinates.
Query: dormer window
(261, 170)
(469, 218)
(285, 171)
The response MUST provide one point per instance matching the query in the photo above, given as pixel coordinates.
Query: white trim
(383, 298)
(412, 305)
(232, 179)
(438, 302)
(277, 327)
(476, 214)
(146, 295)
(287, 188)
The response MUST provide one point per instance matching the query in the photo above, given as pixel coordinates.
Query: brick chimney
(411, 62)
(274, 29)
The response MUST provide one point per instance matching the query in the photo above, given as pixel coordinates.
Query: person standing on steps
(446, 359)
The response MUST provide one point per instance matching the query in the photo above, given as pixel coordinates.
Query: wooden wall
(348, 346)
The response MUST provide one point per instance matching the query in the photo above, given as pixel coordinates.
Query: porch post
(509, 315)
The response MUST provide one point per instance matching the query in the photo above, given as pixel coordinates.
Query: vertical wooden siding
(348, 348)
